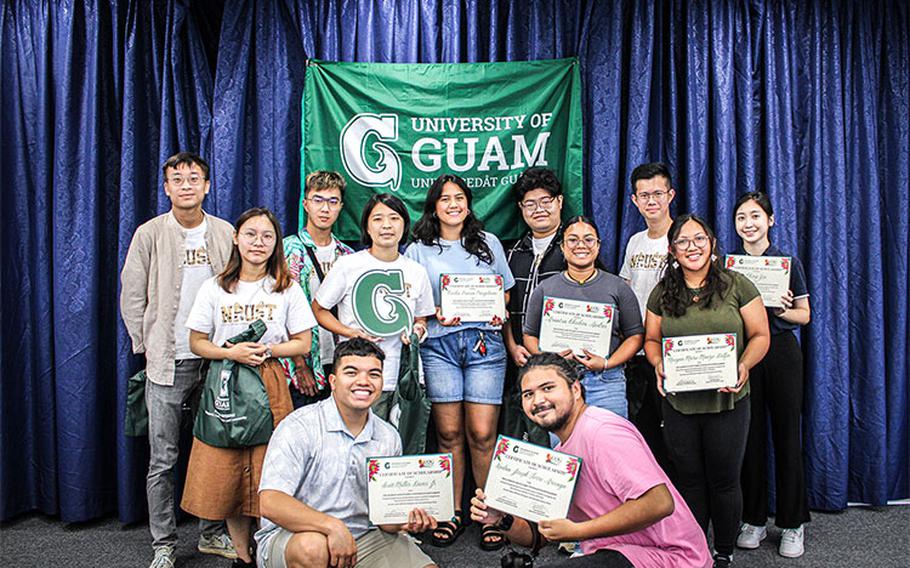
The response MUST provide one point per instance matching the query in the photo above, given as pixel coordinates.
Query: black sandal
(491, 531)
(447, 532)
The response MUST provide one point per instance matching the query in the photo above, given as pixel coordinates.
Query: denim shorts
(607, 389)
(456, 370)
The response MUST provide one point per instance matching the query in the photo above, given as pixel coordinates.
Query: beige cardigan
(150, 286)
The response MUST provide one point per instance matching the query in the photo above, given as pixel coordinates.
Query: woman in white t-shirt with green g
(381, 295)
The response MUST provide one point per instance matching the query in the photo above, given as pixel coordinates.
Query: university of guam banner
(390, 127)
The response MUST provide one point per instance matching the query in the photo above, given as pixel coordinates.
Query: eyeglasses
(318, 201)
(178, 181)
(700, 241)
(657, 195)
(531, 205)
(589, 242)
(251, 236)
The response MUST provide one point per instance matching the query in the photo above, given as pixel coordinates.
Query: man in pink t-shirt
(625, 510)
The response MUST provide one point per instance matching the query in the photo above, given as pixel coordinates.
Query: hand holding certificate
(576, 325)
(700, 362)
(530, 481)
(472, 297)
(396, 485)
(770, 274)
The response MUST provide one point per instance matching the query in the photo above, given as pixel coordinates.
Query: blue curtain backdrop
(809, 101)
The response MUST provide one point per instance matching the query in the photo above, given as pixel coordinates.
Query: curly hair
(674, 296)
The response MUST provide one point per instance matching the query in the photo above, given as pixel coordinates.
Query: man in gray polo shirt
(313, 490)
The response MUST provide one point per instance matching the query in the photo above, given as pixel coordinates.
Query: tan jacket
(151, 280)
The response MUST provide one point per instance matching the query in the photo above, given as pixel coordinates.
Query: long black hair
(674, 297)
(427, 231)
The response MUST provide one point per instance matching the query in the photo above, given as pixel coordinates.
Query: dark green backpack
(136, 419)
(234, 411)
(412, 401)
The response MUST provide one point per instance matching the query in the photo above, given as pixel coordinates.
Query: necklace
(695, 293)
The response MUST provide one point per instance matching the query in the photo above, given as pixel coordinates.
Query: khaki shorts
(375, 549)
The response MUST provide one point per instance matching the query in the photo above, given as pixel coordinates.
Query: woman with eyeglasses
(706, 431)
(777, 392)
(464, 362)
(223, 483)
(585, 280)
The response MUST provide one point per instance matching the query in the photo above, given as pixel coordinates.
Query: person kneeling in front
(313, 491)
(625, 511)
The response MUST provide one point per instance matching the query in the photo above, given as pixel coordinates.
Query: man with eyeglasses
(168, 260)
(534, 258)
(310, 254)
(646, 253)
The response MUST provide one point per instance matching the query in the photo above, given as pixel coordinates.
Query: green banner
(390, 127)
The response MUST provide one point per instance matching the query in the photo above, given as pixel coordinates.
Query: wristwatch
(505, 523)
(268, 351)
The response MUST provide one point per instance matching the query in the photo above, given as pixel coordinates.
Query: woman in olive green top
(706, 431)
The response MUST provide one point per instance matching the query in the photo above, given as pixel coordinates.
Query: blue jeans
(607, 389)
(457, 370)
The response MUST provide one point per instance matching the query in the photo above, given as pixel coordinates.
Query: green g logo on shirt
(379, 306)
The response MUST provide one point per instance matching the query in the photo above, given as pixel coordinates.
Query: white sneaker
(219, 544)
(750, 536)
(791, 542)
(164, 557)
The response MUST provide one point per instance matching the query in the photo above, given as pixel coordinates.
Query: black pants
(777, 385)
(707, 450)
(601, 559)
(645, 410)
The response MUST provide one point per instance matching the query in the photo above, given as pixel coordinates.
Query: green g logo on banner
(379, 307)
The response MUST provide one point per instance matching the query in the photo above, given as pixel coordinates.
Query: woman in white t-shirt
(222, 483)
(381, 295)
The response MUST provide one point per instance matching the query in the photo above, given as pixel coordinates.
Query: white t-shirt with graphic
(338, 288)
(643, 265)
(196, 269)
(223, 315)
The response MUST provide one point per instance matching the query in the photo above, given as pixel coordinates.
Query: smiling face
(385, 226)
(653, 197)
(186, 186)
(580, 245)
(357, 382)
(692, 247)
(547, 398)
(256, 240)
(452, 205)
(753, 223)
(541, 211)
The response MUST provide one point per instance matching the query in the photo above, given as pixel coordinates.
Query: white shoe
(164, 557)
(750, 536)
(791, 542)
(219, 544)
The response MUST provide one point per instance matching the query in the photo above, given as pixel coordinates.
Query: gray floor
(856, 537)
